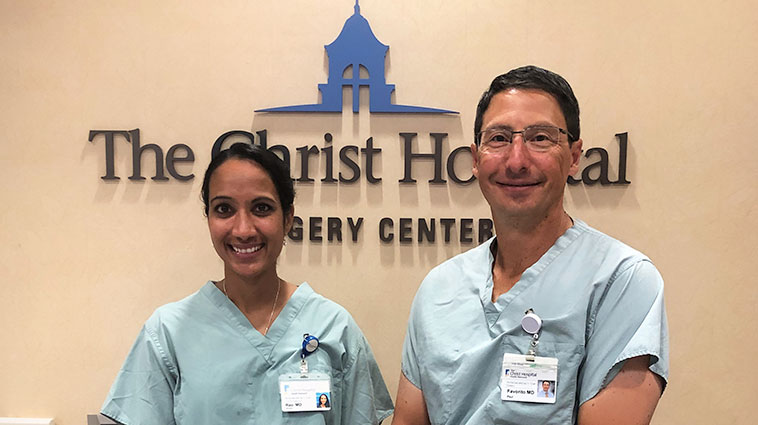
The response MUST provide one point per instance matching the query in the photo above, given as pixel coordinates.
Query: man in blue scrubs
(547, 299)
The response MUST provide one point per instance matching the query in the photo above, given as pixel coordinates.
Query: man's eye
(540, 137)
(498, 138)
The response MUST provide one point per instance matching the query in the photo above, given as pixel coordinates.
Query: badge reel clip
(310, 344)
(531, 323)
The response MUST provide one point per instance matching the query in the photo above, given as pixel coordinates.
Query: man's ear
(576, 155)
(475, 157)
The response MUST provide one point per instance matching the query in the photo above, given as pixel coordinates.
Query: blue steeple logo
(356, 59)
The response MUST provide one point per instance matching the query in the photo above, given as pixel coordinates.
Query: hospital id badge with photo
(522, 379)
(305, 392)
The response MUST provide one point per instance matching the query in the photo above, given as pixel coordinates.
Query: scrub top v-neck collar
(493, 310)
(264, 344)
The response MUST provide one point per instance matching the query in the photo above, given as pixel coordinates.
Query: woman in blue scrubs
(234, 351)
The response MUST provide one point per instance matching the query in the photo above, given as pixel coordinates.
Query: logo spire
(356, 60)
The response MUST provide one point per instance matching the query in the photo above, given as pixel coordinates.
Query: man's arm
(410, 407)
(629, 399)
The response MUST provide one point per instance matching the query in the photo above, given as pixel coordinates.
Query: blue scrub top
(601, 302)
(200, 361)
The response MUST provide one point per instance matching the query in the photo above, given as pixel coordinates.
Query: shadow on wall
(604, 179)
(132, 170)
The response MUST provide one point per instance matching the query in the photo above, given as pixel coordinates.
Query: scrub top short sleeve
(144, 386)
(630, 322)
(409, 365)
(367, 396)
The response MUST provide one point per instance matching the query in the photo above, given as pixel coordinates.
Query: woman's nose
(244, 226)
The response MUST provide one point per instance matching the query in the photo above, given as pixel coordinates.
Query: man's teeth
(246, 250)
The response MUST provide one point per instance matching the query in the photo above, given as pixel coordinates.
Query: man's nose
(519, 155)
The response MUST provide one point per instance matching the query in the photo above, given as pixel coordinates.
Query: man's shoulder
(461, 272)
(474, 257)
(609, 258)
(594, 242)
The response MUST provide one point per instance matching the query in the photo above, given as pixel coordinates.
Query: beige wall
(84, 262)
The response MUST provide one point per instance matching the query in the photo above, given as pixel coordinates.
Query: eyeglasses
(537, 138)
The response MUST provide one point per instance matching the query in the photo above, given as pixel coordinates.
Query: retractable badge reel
(528, 378)
(310, 344)
(531, 324)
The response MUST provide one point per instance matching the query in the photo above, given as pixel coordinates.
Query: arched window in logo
(352, 82)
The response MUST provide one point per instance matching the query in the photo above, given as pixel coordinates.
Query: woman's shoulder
(333, 319)
(324, 306)
(177, 312)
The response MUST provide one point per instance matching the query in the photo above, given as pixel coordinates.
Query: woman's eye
(222, 209)
(262, 208)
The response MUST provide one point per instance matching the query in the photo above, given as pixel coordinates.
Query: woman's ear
(289, 219)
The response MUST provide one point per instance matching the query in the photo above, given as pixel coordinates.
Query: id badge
(305, 393)
(530, 381)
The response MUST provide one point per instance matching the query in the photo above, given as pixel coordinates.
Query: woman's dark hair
(327, 400)
(277, 170)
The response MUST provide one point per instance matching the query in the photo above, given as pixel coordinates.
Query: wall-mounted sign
(356, 59)
(343, 165)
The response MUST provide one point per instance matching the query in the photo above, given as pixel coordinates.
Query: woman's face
(323, 399)
(245, 219)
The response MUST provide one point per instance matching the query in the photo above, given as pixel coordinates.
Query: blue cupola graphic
(356, 59)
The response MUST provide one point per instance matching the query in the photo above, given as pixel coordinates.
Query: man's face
(518, 182)
(545, 386)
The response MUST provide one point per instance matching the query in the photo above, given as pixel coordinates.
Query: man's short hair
(533, 78)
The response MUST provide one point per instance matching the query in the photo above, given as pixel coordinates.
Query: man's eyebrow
(498, 127)
(510, 128)
(543, 124)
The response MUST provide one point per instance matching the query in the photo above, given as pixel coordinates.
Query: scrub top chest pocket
(557, 402)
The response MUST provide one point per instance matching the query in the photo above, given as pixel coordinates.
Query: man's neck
(520, 243)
